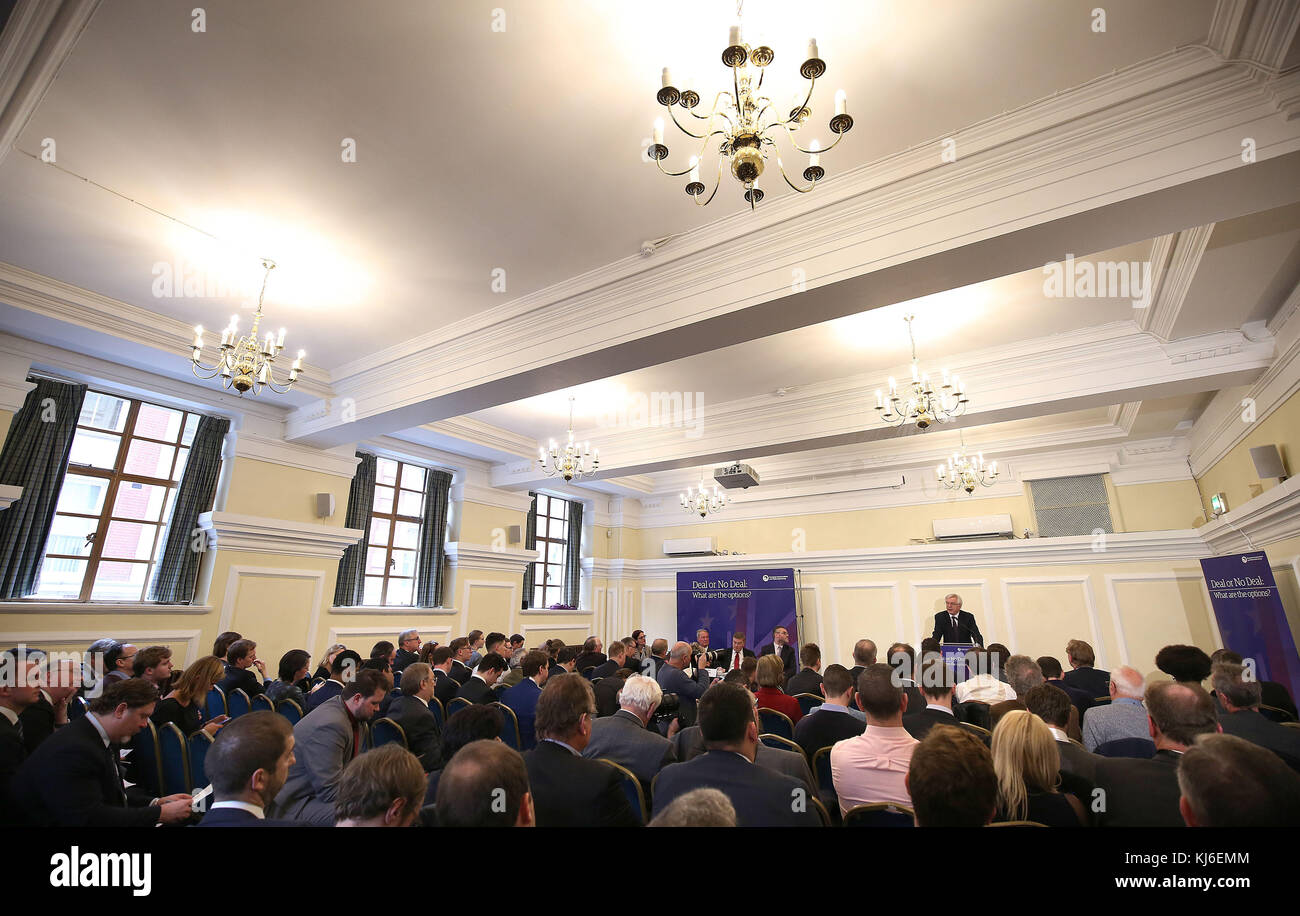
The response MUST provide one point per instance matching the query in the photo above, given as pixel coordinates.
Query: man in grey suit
(673, 679)
(1125, 717)
(325, 741)
(411, 711)
(624, 738)
(1240, 698)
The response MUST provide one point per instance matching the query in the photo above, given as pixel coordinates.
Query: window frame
(543, 539)
(393, 518)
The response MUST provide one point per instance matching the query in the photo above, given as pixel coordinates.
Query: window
(394, 533)
(552, 540)
(1066, 506)
(126, 462)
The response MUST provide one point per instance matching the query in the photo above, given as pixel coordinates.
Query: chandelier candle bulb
(841, 102)
(815, 157)
(695, 168)
(668, 78)
(659, 131)
(916, 372)
(993, 469)
(734, 36)
(812, 49)
(279, 342)
(893, 387)
(880, 399)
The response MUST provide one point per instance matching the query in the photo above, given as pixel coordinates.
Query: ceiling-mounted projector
(736, 475)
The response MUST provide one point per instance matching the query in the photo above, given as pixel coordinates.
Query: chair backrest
(881, 814)
(1290, 724)
(781, 744)
(455, 704)
(397, 679)
(1127, 747)
(821, 767)
(586, 672)
(510, 733)
(435, 707)
(290, 710)
(146, 759)
(632, 788)
(386, 731)
(1275, 713)
(261, 702)
(1016, 824)
(1101, 701)
(821, 811)
(976, 729)
(237, 703)
(215, 704)
(198, 745)
(175, 759)
(775, 723)
(809, 701)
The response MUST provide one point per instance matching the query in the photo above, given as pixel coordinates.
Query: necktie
(735, 660)
(111, 750)
(954, 624)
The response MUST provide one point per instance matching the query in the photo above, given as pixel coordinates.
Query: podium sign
(954, 659)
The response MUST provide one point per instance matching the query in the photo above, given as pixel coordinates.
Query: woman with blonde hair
(771, 675)
(1029, 769)
(184, 705)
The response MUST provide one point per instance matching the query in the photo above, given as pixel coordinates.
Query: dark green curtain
(350, 587)
(35, 457)
(433, 539)
(178, 565)
(573, 555)
(530, 543)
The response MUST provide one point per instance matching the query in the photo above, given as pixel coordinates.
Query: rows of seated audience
(484, 731)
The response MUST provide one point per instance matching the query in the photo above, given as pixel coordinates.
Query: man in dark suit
(617, 658)
(522, 697)
(954, 625)
(19, 690)
(478, 688)
(809, 678)
(761, 797)
(119, 661)
(485, 785)
(780, 645)
(591, 656)
(565, 661)
(937, 690)
(657, 659)
(344, 668)
(247, 765)
(672, 679)
(730, 659)
(833, 720)
(411, 711)
(568, 790)
(408, 649)
(1271, 693)
(1053, 707)
(52, 710)
(864, 656)
(1228, 782)
(1145, 793)
(1053, 674)
(624, 738)
(73, 780)
(444, 685)
(1082, 675)
(1240, 699)
(460, 655)
(241, 659)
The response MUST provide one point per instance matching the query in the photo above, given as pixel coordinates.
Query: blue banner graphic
(1251, 618)
(751, 601)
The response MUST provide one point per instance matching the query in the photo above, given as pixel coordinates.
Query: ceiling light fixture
(703, 503)
(574, 460)
(921, 403)
(746, 119)
(244, 363)
(965, 473)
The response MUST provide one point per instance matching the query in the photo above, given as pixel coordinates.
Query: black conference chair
(1127, 747)
(781, 744)
(456, 704)
(510, 732)
(175, 759)
(261, 702)
(821, 767)
(237, 703)
(435, 707)
(809, 701)
(146, 759)
(215, 704)
(386, 731)
(197, 746)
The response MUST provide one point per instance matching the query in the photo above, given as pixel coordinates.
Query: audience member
(408, 649)
(73, 780)
(382, 656)
(864, 656)
(326, 739)
(1053, 707)
(426, 652)
(327, 661)
(185, 705)
(624, 737)
(835, 719)
(1144, 793)
(1271, 692)
(1023, 675)
(154, 664)
(382, 788)
(411, 711)
(1082, 674)
(984, 685)
(697, 808)
(1028, 768)
(657, 658)
(52, 709)
(522, 698)
(221, 645)
(19, 689)
(1053, 675)
(1241, 717)
(607, 690)
(485, 785)
(566, 660)
(615, 661)
(780, 646)
(247, 766)
(951, 780)
(471, 723)
(592, 655)
(761, 797)
(343, 670)
(1226, 781)
(1124, 717)
(241, 658)
(461, 656)
(444, 685)
(771, 675)
(672, 679)
(569, 791)
(809, 678)
(475, 643)
(119, 662)
(292, 678)
(937, 689)
(870, 768)
(478, 688)
(1185, 664)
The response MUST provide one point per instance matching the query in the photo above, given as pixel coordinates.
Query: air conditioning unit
(973, 528)
(735, 476)
(690, 547)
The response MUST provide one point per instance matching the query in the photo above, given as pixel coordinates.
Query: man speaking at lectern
(956, 625)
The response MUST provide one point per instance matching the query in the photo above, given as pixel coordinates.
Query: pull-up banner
(1251, 618)
(751, 601)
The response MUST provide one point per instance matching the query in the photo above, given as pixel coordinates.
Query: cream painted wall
(476, 523)
(264, 489)
(6, 417)
(1234, 474)
(1158, 506)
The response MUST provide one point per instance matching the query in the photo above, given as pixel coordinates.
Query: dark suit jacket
(72, 780)
(1274, 694)
(689, 744)
(761, 797)
(38, 722)
(822, 728)
(998, 710)
(322, 693)
(1140, 793)
(13, 751)
(723, 658)
(404, 658)
(965, 631)
(651, 665)
(423, 736)
(806, 681)
(788, 657)
(1077, 760)
(688, 691)
(245, 679)
(1081, 699)
(522, 698)
(570, 791)
(1251, 725)
(623, 739)
(919, 723)
(589, 660)
(238, 817)
(476, 690)
(460, 672)
(1090, 680)
(444, 686)
(607, 690)
(606, 668)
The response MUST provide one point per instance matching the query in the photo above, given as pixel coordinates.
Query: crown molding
(485, 435)
(1273, 515)
(491, 496)
(340, 462)
(256, 534)
(1186, 249)
(462, 555)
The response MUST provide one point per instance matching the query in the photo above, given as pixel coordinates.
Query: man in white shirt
(983, 686)
(247, 765)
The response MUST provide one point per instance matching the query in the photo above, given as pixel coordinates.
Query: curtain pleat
(350, 587)
(433, 540)
(530, 542)
(178, 564)
(573, 555)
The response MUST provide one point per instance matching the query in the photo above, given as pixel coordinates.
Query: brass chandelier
(703, 503)
(574, 460)
(963, 472)
(746, 120)
(921, 402)
(244, 363)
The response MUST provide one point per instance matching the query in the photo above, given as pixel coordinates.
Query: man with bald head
(1132, 792)
(864, 656)
(1124, 717)
(673, 679)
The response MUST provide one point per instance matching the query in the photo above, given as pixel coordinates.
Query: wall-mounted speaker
(1268, 462)
(514, 534)
(324, 505)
